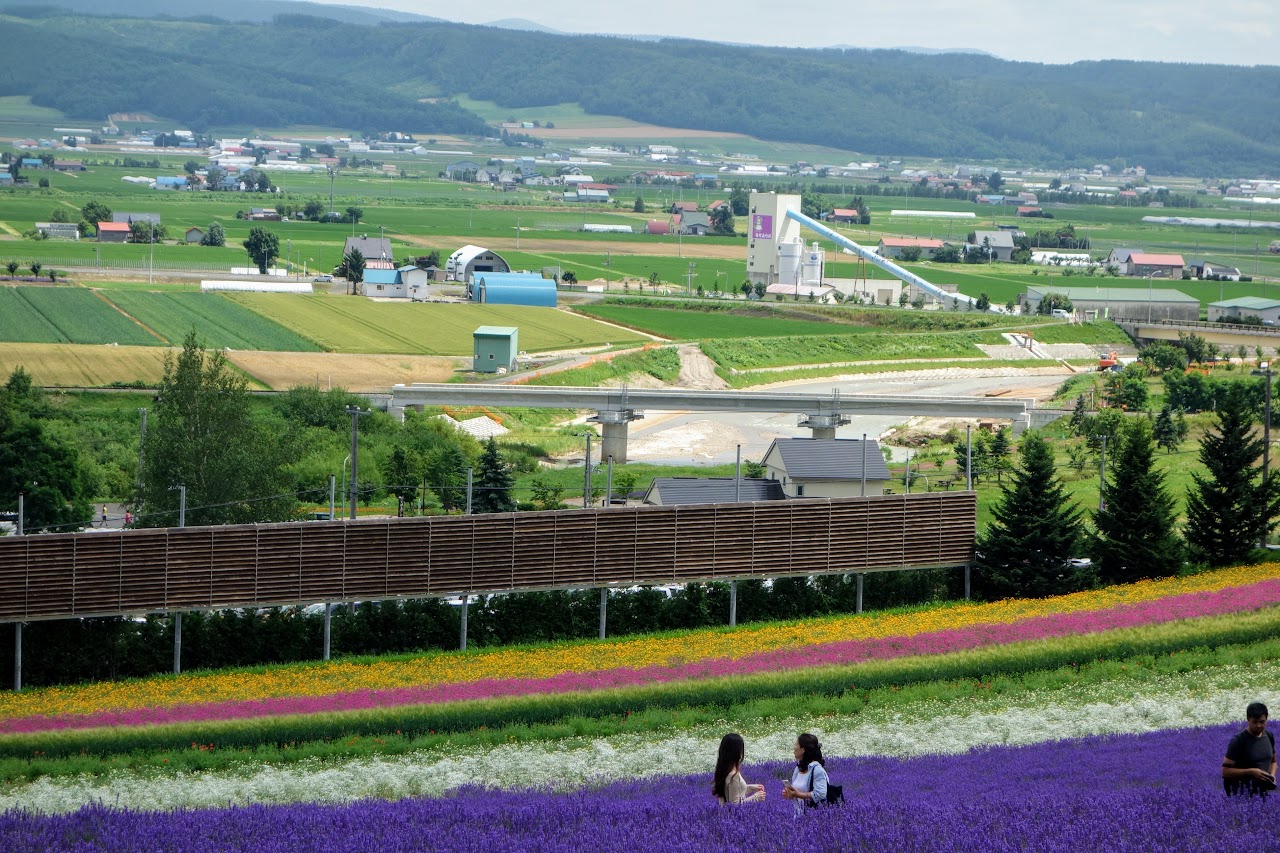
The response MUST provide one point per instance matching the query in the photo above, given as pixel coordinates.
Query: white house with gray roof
(826, 467)
(1000, 243)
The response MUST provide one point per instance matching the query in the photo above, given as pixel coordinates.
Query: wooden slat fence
(260, 565)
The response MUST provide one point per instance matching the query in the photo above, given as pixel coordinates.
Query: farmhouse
(193, 235)
(1119, 258)
(695, 224)
(891, 247)
(999, 243)
(1134, 303)
(1157, 266)
(512, 288)
(670, 491)
(380, 282)
(68, 165)
(113, 232)
(469, 260)
(826, 467)
(1244, 308)
(842, 214)
(376, 251)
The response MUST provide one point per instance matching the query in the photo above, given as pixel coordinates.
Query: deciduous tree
(204, 435)
(263, 246)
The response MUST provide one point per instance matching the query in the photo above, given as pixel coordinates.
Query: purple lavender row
(1152, 792)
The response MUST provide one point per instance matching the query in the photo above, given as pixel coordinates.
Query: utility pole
(586, 476)
(356, 413)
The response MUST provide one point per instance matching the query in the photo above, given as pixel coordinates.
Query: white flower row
(1197, 698)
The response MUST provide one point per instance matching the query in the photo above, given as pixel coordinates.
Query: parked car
(325, 278)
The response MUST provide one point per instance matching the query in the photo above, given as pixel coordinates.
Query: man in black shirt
(1250, 765)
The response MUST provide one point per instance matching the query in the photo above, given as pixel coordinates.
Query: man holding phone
(1250, 765)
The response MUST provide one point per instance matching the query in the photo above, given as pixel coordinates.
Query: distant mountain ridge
(231, 11)
(305, 69)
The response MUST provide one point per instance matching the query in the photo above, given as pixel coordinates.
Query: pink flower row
(1188, 606)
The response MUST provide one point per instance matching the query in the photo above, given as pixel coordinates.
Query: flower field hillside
(1089, 721)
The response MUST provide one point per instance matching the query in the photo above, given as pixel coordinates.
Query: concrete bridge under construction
(616, 408)
(1223, 334)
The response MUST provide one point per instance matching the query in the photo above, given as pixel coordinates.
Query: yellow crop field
(284, 370)
(79, 365)
(342, 324)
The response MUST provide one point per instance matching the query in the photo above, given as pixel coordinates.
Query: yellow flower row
(586, 656)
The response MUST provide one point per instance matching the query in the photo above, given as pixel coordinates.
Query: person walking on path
(728, 785)
(809, 780)
(1250, 765)
(104, 515)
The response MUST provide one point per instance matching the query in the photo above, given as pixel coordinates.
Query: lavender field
(1152, 792)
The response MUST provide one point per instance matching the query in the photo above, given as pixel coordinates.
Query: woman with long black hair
(728, 785)
(808, 783)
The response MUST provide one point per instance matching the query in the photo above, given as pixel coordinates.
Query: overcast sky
(1238, 32)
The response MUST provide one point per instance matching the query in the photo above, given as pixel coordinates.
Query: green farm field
(35, 314)
(703, 325)
(351, 325)
(219, 322)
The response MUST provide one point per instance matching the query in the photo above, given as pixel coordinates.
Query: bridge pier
(613, 432)
(823, 426)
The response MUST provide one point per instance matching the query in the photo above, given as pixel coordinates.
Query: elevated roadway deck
(615, 408)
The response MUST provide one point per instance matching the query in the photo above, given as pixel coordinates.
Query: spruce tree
(1026, 549)
(1079, 417)
(1165, 431)
(493, 482)
(1135, 532)
(1230, 511)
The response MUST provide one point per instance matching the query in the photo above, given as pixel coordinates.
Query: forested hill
(1173, 119)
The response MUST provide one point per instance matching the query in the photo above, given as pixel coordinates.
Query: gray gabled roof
(828, 458)
(995, 239)
(371, 248)
(713, 490)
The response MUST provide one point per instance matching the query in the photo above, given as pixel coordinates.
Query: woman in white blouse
(808, 785)
(728, 785)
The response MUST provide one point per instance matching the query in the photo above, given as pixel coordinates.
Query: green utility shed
(495, 348)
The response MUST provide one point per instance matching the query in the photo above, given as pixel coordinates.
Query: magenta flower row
(1188, 606)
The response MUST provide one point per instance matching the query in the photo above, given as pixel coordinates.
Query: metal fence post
(462, 640)
(858, 603)
(604, 603)
(328, 619)
(17, 657)
(177, 643)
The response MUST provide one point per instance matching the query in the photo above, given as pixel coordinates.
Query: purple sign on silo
(761, 226)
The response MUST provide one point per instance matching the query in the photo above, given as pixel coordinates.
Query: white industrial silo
(814, 257)
(789, 262)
